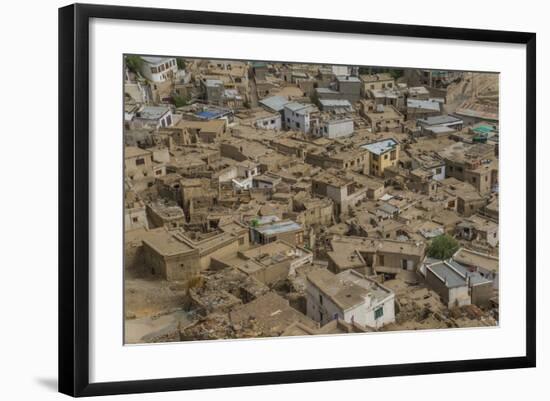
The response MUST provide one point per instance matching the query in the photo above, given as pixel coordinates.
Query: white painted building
(348, 296)
(135, 216)
(271, 121)
(334, 128)
(297, 116)
(158, 69)
(153, 117)
(246, 171)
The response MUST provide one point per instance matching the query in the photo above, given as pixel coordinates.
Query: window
(393, 154)
(241, 240)
(438, 170)
(140, 162)
(386, 156)
(378, 313)
(381, 260)
(135, 219)
(320, 299)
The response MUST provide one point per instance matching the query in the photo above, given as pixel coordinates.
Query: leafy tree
(396, 73)
(365, 70)
(180, 101)
(134, 63)
(181, 63)
(442, 247)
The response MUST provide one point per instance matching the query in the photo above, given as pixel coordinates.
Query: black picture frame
(74, 199)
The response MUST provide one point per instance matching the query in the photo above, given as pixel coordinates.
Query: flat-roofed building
(158, 69)
(429, 124)
(343, 191)
(162, 214)
(285, 230)
(205, 131)
(349, 87)
(269, 263)
(168, 257)
(383, 154)
(382, 118)
(417, 108)
(297, 116)
(485, 264)
(348, 296)
(337, 106)
(153, 117)
(457, 285)
(138, 163)
(376, 81)
(371, 255)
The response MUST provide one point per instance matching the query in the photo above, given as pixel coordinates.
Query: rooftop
(153, 112)
(155, 60)
(134, 151)
(423, 104)
(165, 243)
(335, 103)
(380, 147)
(376, 77)
(439, 120)
(477, 259)
(298, 107)
(276, 103)
(346, 294)
(347, 244)
(347, 78)
(278, 227)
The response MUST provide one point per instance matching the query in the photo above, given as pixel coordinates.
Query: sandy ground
(151, 297)
(152, 306)
(138, 330)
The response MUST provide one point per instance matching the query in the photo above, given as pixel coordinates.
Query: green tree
(443, 247)
(396, 73)
(180, 101)
(134, 63)
(181, 63)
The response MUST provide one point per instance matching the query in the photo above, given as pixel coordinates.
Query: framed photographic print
(251, 199)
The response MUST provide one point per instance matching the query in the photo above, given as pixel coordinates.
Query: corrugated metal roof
(276, 103)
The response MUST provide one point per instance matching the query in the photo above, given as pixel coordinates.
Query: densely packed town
(270, 199)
